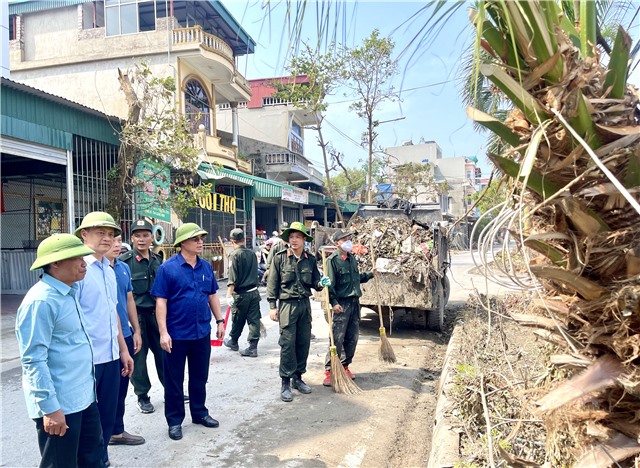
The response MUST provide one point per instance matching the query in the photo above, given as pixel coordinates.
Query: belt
(255, 288)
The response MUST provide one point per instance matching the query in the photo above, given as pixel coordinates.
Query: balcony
(291, 168)
(215, 61)
(213, 152)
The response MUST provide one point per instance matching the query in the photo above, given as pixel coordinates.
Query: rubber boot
(252, 350)
(285, 391)
(232, 344)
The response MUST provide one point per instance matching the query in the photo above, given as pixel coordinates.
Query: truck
(418, 292)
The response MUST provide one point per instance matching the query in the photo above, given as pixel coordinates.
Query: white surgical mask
(347, 246)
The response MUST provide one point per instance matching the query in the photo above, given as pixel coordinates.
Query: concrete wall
(415, 153)
(4, 39)
(267, 124)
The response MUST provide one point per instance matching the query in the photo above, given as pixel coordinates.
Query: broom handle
(376, 285)
(326, 296)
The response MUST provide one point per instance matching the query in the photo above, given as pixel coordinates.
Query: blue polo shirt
(123, 279)
(55, 350)
(187, 290)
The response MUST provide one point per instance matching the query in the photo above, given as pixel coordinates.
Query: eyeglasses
(197, 239)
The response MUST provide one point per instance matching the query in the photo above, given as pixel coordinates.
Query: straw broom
(340, 380)
(385, 351)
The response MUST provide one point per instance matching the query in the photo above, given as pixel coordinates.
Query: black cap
(141, 225)
(340, 234)
(236, 234)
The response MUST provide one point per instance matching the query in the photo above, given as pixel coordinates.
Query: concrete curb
(445, 440)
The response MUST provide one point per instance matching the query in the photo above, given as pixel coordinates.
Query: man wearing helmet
(57, 358)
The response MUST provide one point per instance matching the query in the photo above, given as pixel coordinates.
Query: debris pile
(399, 246)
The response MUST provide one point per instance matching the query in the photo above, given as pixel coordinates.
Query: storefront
(56, 155)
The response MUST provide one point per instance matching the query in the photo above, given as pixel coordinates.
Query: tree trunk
(332, 194)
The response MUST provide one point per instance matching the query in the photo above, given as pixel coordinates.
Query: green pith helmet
(59, 247)
(98, 219)
(295, 226)
(187, 231)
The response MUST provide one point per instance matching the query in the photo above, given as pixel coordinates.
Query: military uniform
(342, 270)
(143, 274)
(243, 275)
(290, 284)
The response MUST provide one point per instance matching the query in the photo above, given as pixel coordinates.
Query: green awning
(223, 176)
(316, 198)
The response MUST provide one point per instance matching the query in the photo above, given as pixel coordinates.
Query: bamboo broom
(340, 380)
(385, 351)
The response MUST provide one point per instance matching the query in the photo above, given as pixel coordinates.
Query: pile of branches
(406, 247)
(573, 158)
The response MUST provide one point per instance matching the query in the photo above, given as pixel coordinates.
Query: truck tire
(435, 319)
(446, 285)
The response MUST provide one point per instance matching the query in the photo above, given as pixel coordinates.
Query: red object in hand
(224, 326)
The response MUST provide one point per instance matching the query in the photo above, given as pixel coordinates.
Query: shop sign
(218, 202)
(295, 195)
(308, 213)
(155, 178)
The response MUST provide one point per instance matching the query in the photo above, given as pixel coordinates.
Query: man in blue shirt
(57, 358)
(98, 297)
(128, 315)
(186, 295)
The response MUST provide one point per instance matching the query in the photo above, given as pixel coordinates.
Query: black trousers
(81, 446)
(197, 354)
(346, 330)
(118, 427)
(107, 384)
(150, 341)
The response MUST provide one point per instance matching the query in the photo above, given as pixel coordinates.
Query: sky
(431, 108)
(429, 84)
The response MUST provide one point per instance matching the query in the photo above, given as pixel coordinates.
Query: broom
(340, 380)
(385, 351)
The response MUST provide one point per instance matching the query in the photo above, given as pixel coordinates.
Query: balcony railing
(196, 35)
(280, 158)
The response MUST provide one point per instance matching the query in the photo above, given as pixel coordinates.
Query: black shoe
(298, 384)
(231, 344)
(144, 405)
(186, 398)
(285, 391)
(175, 432)
(207, 421)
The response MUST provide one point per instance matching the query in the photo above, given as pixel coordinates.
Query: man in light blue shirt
(98, 298)
(57, 358)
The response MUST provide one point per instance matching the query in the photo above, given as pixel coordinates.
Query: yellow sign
(218, 202)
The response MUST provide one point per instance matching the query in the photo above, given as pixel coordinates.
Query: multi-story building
(272, 137)
(459, 175)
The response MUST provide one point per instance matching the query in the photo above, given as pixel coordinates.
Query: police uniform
(342, 270)
(143, 274)
(243, 275)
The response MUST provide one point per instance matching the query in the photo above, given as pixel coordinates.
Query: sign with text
(218, 202)
(308, 213)
(295, 195)
(153, 198)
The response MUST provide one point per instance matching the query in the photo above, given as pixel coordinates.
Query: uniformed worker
(294, 273)
(144, 265)
(344, 294)
(243, 295)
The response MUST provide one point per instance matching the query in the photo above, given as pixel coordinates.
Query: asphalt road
(389, 424)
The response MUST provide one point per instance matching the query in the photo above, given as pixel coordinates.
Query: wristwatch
(220, 321)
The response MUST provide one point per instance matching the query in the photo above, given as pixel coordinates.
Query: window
(132, 16)
(93, 15)
(13, 27)
(196, 106)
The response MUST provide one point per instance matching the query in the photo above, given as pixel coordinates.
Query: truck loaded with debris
(411, 258)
